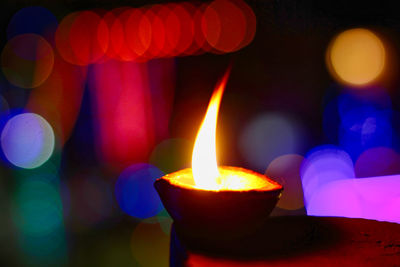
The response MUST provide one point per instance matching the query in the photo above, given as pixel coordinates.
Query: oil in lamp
(211, 202)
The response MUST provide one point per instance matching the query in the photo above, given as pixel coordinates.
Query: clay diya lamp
(211, 202)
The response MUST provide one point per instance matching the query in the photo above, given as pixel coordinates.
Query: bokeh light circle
(138, 33)
(158, 31)
(324, 164)
(33, 19)
(82, 38)
(268, 136)
(286, 170)
(377, 161)
(27, 60)
(251, 23)
(27, 140)
(356, 56)
(125, 28)
(135, 192)
(186, 27)
(88, 37)
(219, 20)
(62, 39)
(172, 29)
(200, 44)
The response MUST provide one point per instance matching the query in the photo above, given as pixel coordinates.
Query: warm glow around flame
(205, 173)
(204, 157)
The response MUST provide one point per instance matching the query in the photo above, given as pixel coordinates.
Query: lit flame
(204, 157)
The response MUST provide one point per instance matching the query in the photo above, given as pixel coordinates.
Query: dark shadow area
(296, 240)
(279, 237)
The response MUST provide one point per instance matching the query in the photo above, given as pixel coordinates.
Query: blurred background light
(377, 193)
(220, 17)
(191, 37)
(180, 15)
(165, 221)
(92, 203)
(88, 38)
(135, 192)
(335, 198)
(27, 140)
(59, 98)
(251, 23)
(62, 39)
(162, 219)
(40, 207)
(200, 44)
(158, 33)
(391, 211)
(129, 33)
(374, 198)
(359, 120)
(106, 22)
(364, 124)
(356, 56)
(33, 19)
(122, 113)
(286, 171)
(38, 216)
(46, 100)
(82, 38)
(363, 128)
(149, 240)
(161, 75)
(324, 164)
(27, 60)
(172, 155)
(172, 29)
(377, 161)
(268, 136)
(155, 31)
(138, 33)
(373, 97)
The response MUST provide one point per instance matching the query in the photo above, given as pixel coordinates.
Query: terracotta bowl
(217, 214)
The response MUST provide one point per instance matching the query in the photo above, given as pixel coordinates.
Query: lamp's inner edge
(231, 179)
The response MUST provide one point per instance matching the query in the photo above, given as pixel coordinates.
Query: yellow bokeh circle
(356, 57)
